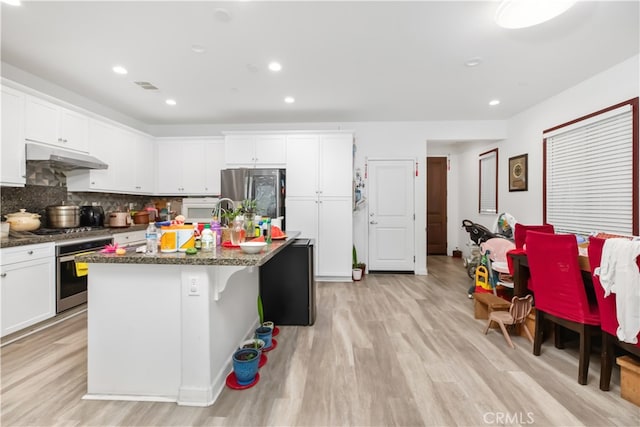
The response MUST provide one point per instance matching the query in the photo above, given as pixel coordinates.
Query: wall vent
(146, 85)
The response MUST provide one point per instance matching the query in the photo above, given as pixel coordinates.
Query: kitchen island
(164, 327)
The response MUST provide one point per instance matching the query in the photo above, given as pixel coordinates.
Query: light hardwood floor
(388, 350)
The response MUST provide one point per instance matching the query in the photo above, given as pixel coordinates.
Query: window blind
(589, 174)
(488, 182)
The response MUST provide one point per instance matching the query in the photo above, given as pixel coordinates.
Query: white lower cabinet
(27, 277)
(329, 222)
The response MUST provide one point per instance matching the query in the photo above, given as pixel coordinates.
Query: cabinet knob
(3, 275)
(30, 252)
(373, 222)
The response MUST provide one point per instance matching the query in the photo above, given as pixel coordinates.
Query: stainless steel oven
(71, 285)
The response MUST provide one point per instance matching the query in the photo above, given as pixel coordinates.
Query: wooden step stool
(485, 303)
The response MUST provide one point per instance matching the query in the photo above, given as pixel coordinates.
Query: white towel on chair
(619, 274)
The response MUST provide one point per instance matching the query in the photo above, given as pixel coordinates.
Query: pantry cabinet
(27, 278)
(319, 201)
(253, 150)
(12, 164)
(53, 124)
(188, 166)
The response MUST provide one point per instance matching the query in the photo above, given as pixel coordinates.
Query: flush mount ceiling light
(198, 48)
(275, 66)
(526, 13)
(170, 102)
(289, 100)
(119, 69)
(494, 102)
(473, 62)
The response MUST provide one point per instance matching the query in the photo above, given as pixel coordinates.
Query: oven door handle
(72, 257)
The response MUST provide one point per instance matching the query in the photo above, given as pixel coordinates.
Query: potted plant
(264, 333)
(357, 267)
(245, 365)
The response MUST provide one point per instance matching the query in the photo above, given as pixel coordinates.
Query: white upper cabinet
(188, 166)
(12, 125)
(253, 150)
(130, 158)
(302, 165)
(319, 165)
(335, 176)
(52, 124)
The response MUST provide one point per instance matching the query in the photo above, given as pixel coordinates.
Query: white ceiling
(342, 61)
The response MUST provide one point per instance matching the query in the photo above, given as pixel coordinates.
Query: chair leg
(537, 341)
(585, 350)
(506, 335)
(606, 360)
(527, 332)
(486, 329)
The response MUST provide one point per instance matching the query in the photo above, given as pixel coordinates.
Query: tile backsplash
(48, 187)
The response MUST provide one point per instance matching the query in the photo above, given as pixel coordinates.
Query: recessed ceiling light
(526, 13)
(12, 2)
(289, 100)
(473, 62)
(170, 102)
(494, 102)
(275, 66)
(222, 15)
(197, 48)
(119, 69)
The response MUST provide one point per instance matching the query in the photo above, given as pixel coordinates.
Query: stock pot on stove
(63, 216)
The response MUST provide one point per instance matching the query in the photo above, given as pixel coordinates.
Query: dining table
(521, 273)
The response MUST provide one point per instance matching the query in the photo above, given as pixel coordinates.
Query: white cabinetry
(130, 238)
(129, 156)
(253, 150)
(52, 124)
(27, 277)
(13, 153)
(319, 201)
(189, 166)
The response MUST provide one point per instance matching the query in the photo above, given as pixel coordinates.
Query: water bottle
(217, 230)
(208, 242)
(152, 239)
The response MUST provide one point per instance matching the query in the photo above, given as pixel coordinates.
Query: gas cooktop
(53, 231)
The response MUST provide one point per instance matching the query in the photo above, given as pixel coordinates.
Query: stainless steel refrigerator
(265, 186)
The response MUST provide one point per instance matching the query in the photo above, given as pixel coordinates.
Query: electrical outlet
(194, 286)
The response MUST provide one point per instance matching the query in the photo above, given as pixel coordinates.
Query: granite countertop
(220, 256)
(22, 238)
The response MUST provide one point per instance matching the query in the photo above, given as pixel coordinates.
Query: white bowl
(252, 247)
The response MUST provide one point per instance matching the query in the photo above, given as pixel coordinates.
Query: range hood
(61, 159)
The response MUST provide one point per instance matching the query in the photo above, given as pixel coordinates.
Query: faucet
(217, 210)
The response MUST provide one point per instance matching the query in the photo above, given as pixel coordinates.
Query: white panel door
(391, 215)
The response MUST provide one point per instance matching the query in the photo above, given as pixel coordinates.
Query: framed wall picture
(518, 173)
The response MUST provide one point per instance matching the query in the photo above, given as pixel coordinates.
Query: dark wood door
(436, 205)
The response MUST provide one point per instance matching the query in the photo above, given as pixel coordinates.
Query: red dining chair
(519, 235)
(608, 318)
(560, 294)
(520, 232)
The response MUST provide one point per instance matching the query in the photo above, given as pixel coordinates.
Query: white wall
(524, 135)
